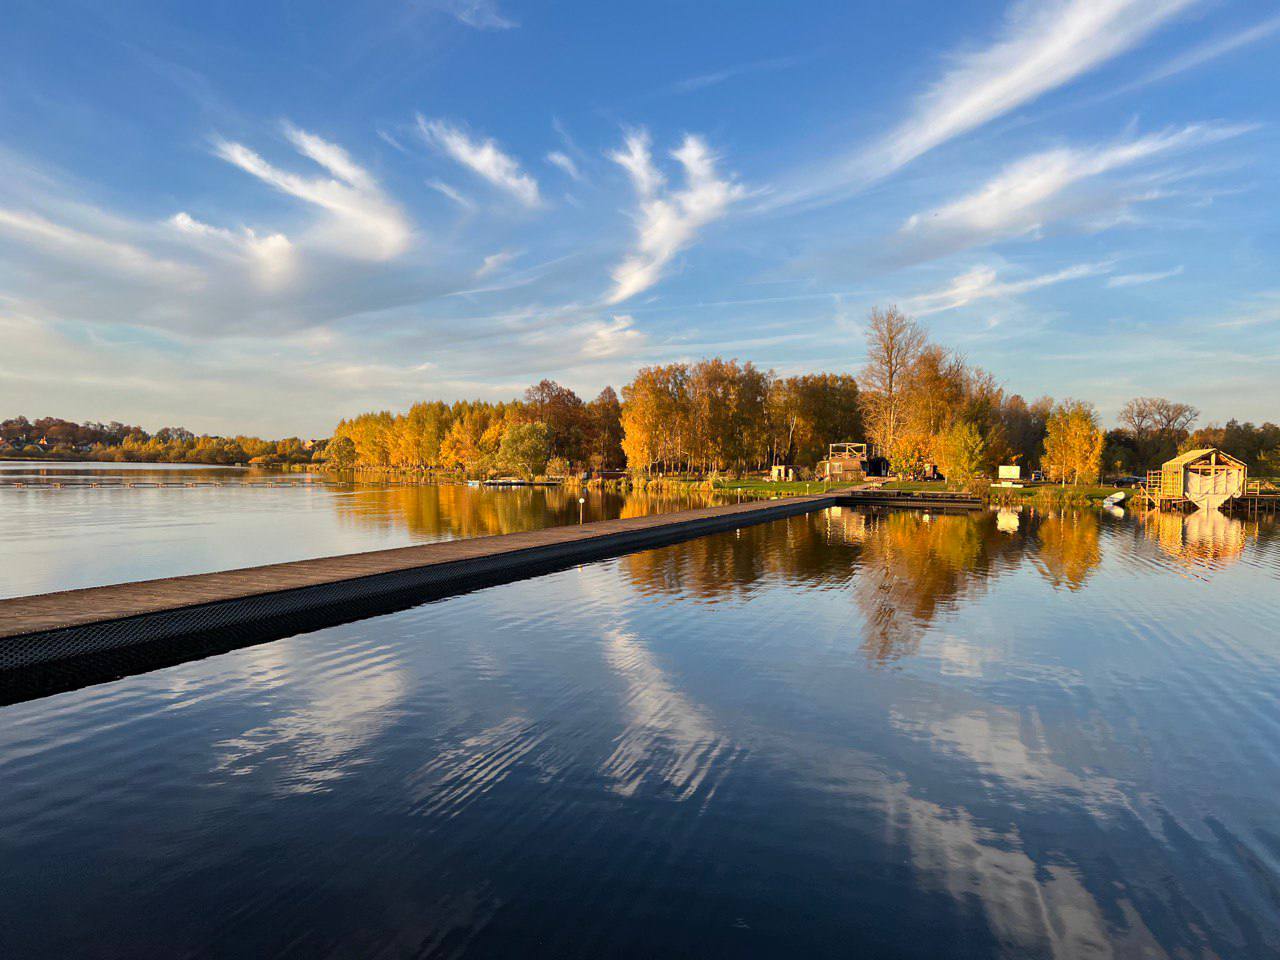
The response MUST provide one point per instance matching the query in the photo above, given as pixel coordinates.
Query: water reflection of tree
(902, 568)
(913, 566)
(733, 564)
(456, 510)
(1069, 549)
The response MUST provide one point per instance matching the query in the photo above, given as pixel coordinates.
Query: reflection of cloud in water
(1012, 749)
(1034, 908)
(667, 737)
(1034, 899)
(318, 742)
(460, 774)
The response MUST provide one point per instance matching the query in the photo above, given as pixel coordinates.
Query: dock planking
(274, 600)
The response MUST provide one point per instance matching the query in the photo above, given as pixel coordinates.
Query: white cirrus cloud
(479, 14)
(106, 254)
(453, 193)
(610, 338)
(495, 262)
(1033, 191)
(363, 223)
(983, 283)
(667, 220)
(565, 162)
(272, 256)
(483, 158)
(1041, 47)
(1204, 53)
(1138, 279)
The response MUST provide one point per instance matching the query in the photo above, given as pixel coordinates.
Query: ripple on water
(843, 732)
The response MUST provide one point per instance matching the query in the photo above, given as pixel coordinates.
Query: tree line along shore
(922, 406)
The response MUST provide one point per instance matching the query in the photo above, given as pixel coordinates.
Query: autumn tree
(894, 344)
(565, 417)
(341, 453)
(655, 417)
(808, 412)
(960, 452)
(524, 449)
(1073, 443)
(604, 431)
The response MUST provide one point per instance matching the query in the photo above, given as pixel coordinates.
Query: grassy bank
(1044, 494)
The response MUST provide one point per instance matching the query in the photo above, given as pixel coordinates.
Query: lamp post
(581, 502)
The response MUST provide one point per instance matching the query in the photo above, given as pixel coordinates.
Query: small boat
(1114, 500)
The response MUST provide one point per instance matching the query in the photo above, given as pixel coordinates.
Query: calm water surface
(837, 735)
(143, 520)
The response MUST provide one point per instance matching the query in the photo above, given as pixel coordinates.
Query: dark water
(77, 534)
(837, 735)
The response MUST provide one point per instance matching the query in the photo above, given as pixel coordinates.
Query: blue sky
(264, 216)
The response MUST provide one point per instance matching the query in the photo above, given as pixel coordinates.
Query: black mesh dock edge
(264, 616)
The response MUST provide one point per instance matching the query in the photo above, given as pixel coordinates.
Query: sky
(262, 217)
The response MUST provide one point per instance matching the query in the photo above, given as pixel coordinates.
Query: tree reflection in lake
(905, 568)
(1069, 549)
(449, 511)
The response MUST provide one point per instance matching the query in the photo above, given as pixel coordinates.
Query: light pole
(581, 502)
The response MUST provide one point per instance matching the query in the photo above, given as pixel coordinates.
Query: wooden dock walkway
(75, 623)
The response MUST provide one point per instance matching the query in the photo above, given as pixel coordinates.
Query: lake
(69, 525)
(853, 733)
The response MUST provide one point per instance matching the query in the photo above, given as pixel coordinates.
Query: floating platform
(912, 499)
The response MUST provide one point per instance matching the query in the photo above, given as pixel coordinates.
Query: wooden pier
(912, 499)
(73, 623)
(72, 638)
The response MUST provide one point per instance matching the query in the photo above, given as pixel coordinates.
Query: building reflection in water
(1206, 538)
(902, 568)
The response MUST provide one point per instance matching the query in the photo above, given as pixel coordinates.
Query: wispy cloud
(1041, 47)
(667, 220)
(1138, 279)
(1036, 190)
(716, 77)
(480, 14)
(103, 253)
(610, 338)
(363, 222)
(983, 283)
(445, 190)
(484, 158)
(272, 256)
(1204, 53)
(565, 163)
(495, 262)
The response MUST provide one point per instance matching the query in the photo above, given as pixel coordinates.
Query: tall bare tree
(894, 345)
(1158, 426)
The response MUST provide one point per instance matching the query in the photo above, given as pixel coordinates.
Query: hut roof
(1191, 456)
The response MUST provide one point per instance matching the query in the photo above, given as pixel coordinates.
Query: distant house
(1207, 478)
(845, 461)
